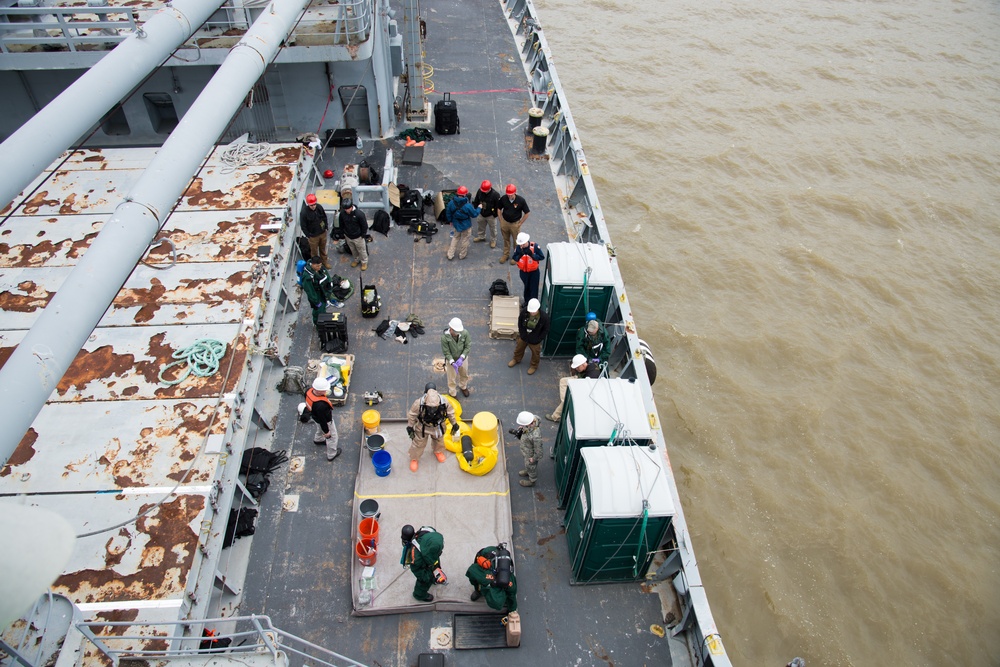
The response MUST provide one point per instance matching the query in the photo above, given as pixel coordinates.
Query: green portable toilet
(595, 411)
(563, 296)
(619, 514)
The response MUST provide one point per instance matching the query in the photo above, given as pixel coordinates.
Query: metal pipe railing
(587, 223)
(252, 634)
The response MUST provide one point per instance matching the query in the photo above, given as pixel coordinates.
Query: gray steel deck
(300, 561)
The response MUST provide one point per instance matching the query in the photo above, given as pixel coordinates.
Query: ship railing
(586, 224)
(64, 28)
(345, 23)
(89, 28)
(233, 639)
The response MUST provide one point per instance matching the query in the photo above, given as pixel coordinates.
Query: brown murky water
(816, 189)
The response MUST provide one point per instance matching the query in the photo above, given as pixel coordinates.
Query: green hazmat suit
(483, 580)
(427, 550)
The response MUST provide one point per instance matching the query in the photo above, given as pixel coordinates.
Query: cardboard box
(441, 200)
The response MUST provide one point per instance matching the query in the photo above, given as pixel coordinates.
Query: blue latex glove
(459, 362)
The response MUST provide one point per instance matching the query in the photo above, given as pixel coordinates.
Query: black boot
(475, 595)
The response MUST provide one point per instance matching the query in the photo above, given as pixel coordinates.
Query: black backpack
(241, 523)
(499, 288)
(257, 484)
(258, 459)
(381, 223)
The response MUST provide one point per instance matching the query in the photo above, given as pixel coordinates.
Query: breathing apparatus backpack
(371, 302)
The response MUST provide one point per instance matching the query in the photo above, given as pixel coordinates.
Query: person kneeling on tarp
(492, 577)
(422, 553)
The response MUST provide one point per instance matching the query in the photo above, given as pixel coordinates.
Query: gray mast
(48, 349)
(64, 120)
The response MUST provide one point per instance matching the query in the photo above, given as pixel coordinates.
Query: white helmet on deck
(524, 418)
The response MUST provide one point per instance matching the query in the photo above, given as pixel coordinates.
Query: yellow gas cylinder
(484, 430)
(371, 419)
(345, 372)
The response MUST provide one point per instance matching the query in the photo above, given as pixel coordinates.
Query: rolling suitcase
(446, 116)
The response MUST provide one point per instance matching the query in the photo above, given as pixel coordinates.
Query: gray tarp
(469, 511)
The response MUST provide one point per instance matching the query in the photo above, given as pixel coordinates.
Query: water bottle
(358, 144)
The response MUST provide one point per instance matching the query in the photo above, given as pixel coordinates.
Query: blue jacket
(460, 213)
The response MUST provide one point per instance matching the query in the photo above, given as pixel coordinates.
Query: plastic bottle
(358, 144)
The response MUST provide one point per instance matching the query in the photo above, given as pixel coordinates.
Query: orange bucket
(366, 554)
(368, 530)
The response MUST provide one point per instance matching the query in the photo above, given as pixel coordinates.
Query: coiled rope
(202, 358)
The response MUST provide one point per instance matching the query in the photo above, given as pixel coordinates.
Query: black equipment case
(332, 331)
(446, 116)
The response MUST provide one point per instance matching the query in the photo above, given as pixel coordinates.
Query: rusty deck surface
(114, 443)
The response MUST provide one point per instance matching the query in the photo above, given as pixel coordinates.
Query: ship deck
(301, 562)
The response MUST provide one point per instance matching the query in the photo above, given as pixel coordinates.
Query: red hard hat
(310, 199)
(328, 173)
(486, 186)
(462, 191)
(511, 189)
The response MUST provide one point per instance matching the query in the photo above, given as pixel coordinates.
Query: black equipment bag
(381, 223)
(242, 522)
(303, 243)
(446, 116)
(332, 331)
(499, 288)
(258, 459)
(371, 302)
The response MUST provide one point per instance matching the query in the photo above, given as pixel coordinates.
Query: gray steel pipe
(37, 143)
(46, 352)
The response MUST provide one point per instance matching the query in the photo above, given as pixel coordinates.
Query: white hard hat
(577, 360)
(524, 418)
(522, 238)
(321, 385)
(533, 306)
(456, 325)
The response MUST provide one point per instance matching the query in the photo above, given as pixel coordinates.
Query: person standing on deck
(426, 419)
(593, 342)
(531, 446)
(492, 576)
(486, 200)
(532, 327)
(322, 413)
(460, 213)
(579, 368)
(527, 255)
(318, 286)
(422, 552)
(455, 345)
(354, 225)
(513, 210)
(313, 222)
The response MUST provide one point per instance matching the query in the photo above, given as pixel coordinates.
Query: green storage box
(562, 297)
(594, 411)
(619, 514)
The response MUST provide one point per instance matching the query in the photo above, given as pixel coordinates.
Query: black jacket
(538, 333)
(488, 200)
(312, 220)
(353, 224)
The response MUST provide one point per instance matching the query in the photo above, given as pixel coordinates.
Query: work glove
(410, 432)
(368, 237)
(454, 430)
